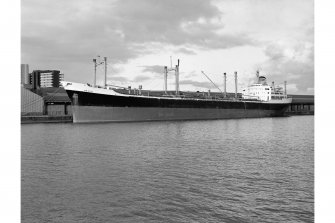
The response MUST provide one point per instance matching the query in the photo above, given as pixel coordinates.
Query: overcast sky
(139, 36)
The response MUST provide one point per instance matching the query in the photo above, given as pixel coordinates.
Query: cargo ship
(92, 103)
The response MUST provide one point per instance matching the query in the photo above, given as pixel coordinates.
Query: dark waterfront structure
(31, 104)
(45, 105)
(301, 105)
(56, 101)
(42, 99)
(53, 101)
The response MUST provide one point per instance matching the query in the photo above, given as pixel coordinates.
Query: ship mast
(235, 84)
(177, 78)
(257, 75)
(165, 79)
(224, 85)
(105, 80)
(95, 72)
(95, 69)
(285, 88)
(176, 70)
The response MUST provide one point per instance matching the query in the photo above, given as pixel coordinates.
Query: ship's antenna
(235, 84)
(165, 79)
(177, 78)
(212, 82)
(224, 85)
(285, 82)
(95, 72)
(257, 75)
(105, 80)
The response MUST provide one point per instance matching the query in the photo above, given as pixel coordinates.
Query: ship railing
(279, 97)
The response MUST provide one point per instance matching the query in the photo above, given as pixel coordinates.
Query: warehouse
(56, 101)
(31, 104)
(45, 101)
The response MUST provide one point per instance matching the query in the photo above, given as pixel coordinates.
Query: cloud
(141, 78)
(292, 63)
(78, 30)
(120, 79)
(67, 35)
(201, 84)
(193, 73)
(186, 51)
(156, 69)
(160, 21)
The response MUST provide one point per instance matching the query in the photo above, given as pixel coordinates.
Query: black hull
(93, 107)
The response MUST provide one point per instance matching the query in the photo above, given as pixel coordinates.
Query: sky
(140, 37)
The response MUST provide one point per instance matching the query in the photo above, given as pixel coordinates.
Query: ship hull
(105, 105)
(87, 114)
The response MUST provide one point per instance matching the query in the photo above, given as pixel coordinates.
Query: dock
(301, 105)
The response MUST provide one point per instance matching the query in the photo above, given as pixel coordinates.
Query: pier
(46, 119)
(301, 105)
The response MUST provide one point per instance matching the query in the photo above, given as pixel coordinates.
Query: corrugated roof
(57, 98)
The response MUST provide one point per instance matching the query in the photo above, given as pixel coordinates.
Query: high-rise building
(46, 78)
(25, 74)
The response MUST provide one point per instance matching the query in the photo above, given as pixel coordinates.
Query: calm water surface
(245, 170)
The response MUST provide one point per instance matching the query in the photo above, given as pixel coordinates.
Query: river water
(238, 170)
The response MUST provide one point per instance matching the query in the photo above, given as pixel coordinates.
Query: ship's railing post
(224, 85)
(95, 72)
(165, 79)
(285, 89)
(177, 68)
(140, 89)
(235, 85)
(177, 79)
(105, 82)
(273, 87)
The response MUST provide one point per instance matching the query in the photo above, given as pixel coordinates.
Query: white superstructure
(257, 92)
(264, 92)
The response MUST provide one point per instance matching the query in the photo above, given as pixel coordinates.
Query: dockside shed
(31, 103)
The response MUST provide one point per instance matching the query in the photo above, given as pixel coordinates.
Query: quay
(301, 105)
(46, 119)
